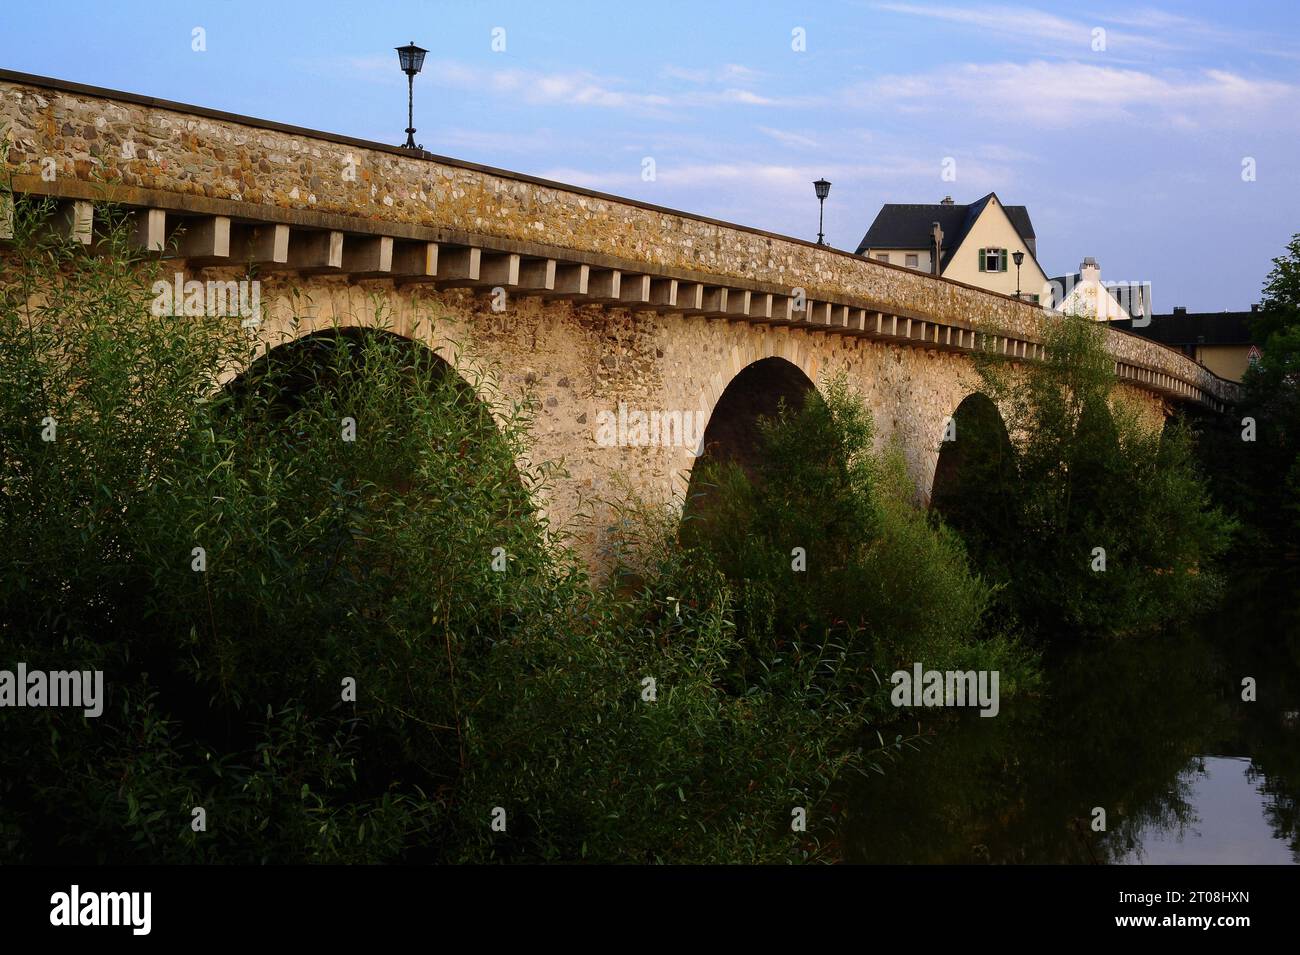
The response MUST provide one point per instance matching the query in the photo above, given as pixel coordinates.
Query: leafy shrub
(329, 560)
(879, 578)
(1083, 471)
(1258, 480)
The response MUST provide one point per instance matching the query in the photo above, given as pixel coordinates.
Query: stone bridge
(601, 308)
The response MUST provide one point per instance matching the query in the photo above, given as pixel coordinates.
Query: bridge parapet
(285, 197)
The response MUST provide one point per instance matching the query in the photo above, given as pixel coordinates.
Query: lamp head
(411, 58)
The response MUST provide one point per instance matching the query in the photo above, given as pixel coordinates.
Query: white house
(975, 243)
(1084, 293)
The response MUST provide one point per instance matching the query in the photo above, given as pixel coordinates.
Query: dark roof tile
(1197, 328)
(903, 226)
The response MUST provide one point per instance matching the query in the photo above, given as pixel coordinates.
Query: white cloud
(788, 138)
(1026, 24)
(713, 87)
(771, 176)
(492, 142)
(576, 87)
(730, 73)
(1149, 30)
(684, 176)
(581, 88)
(1062, 94)
(746, 97)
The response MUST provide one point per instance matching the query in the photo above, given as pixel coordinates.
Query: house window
(913, 261)
(993, 260)
(883, 257)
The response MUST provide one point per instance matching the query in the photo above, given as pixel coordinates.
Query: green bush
(1080, 471)
(879, 578)
(329, 560)
(1258, 480)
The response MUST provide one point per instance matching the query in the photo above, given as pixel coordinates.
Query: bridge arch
(781, 362)
(760, 380)
(298, 364)
(975, 467)
(292, 312)
(299, 339)
(760, 390)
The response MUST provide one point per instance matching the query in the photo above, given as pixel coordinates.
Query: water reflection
(1154, 731)
(1232, 823)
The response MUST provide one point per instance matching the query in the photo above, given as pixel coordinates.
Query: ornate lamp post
(823, 190)
(411, 58)
(1018, 257)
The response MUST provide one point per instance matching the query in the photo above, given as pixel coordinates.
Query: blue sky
(1132, 154)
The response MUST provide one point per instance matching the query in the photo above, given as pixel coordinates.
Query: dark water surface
(1152, 730)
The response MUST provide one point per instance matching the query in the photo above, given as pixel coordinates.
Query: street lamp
(411, 58)
(1018, 257)
(823, 190)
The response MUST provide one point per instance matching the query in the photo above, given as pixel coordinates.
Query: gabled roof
(1197, 328)
(901, 226)
(1068, 283)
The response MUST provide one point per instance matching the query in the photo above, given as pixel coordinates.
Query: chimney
(947, 201)
(936, 247)
(1180, 309)
(1089, 270)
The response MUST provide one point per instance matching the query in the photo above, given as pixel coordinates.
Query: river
(1153, 731)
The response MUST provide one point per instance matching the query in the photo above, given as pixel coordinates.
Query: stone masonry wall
(199, 152)
(577, 360)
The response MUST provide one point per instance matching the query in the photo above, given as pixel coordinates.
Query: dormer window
(993, 260)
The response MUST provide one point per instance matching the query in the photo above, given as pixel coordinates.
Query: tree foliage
(877, 576)
(326, 561)
(1084, 483)
(1253, 454)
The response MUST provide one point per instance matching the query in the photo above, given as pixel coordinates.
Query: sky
(1161, 139)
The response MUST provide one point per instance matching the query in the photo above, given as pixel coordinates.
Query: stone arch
(301, 362)
(292, 312)
(302, 359)
(935, 403)
(294, 307)
(792, 353)
(975, 466)
(759, 390)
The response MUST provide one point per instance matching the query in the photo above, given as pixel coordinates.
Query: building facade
(975, 243)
